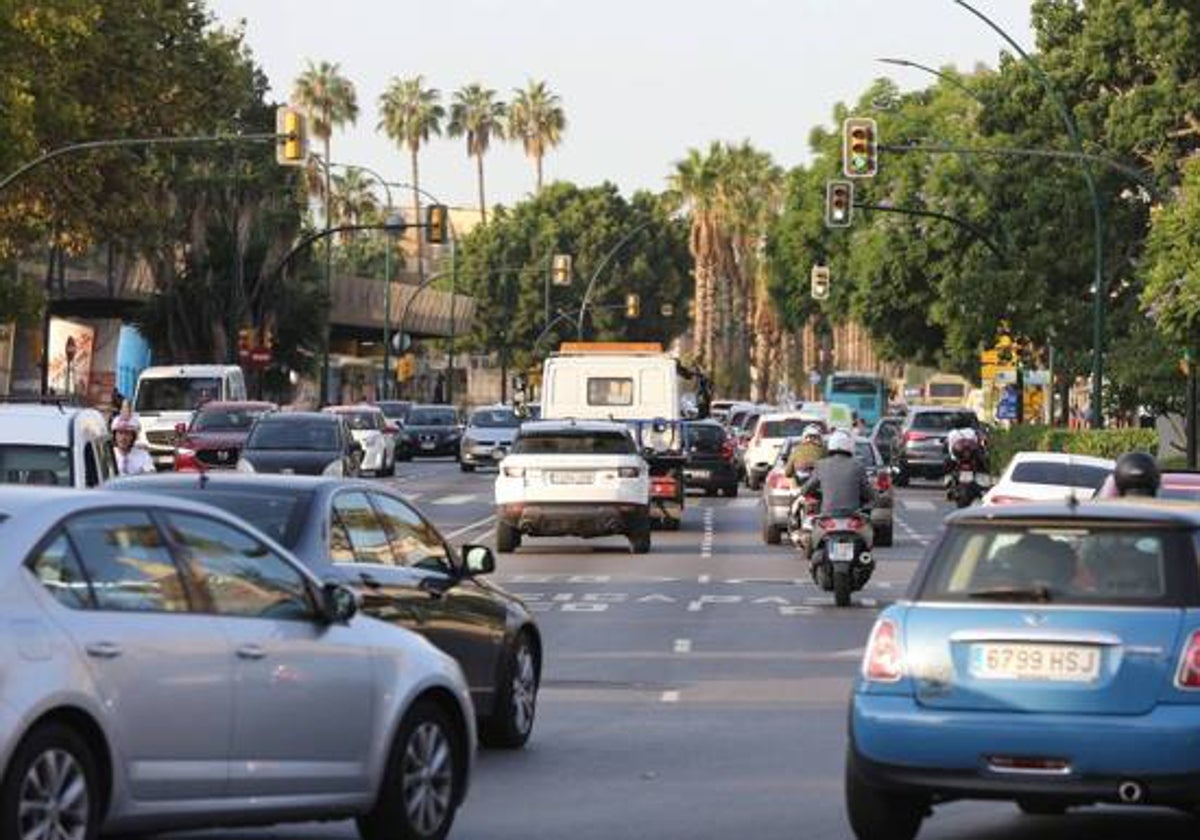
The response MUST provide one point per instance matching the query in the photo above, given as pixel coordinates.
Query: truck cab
(166, 398)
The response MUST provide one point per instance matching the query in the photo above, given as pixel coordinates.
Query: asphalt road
(696, 692)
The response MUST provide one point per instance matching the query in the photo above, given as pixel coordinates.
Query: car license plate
(966, 476)
(428, 444)
(1050, 663)
(841, 550)
(572, 477)
(697, 474)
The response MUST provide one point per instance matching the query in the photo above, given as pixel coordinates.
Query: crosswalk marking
(744, 502)
(454, 499)
(919, 504)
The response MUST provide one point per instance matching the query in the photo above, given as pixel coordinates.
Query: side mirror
(340, 603)
(181, 429)
(479, 560)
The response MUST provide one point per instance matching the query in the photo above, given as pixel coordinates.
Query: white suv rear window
(585, 443)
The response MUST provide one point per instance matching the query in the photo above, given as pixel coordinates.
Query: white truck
(166, 397)
(634, 383)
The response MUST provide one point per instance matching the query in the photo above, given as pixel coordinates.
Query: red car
(214, 438)
(1183, 486)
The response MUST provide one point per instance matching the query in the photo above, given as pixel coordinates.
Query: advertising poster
(70, 349)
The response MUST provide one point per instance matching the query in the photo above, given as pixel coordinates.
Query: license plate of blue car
(1042, 662)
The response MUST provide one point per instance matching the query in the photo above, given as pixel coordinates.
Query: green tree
(330, 100)
(410, 114)
(537, 119)
(477, 115)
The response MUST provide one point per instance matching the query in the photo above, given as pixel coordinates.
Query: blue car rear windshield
(1084, 563)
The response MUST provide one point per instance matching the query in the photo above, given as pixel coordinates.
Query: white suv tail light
(884, 657)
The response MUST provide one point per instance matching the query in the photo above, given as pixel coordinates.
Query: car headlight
(334, 470)
(244, 466)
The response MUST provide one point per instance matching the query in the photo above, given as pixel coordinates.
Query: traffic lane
(450, 498)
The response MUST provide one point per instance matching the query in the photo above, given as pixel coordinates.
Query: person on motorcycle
(131, 458)
(805, 455)
(962, 443)
(839, 478)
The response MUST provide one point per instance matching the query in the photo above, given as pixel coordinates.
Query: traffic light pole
(587, 294)
(946, 217)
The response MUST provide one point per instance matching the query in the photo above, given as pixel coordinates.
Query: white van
(610, 381)
(167, 396)
(54, 444)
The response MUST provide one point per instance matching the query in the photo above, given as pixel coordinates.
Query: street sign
(401, 342)
(1037, 378)
(814, 377)
(260, 356)
(1007, 407)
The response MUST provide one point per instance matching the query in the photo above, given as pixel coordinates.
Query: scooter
(964, 482)
(800, 521)
(841, 560)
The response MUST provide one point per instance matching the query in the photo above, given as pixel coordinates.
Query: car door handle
(104, 650)
(370, 581)
(251, 652)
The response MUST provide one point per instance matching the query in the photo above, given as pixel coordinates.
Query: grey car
(779, 492)
(920, 446)
(489, 435)
(365, 535)
(167, 667)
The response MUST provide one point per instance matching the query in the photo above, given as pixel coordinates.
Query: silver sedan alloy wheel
(53, 802)
(428, 778)
(524, 690)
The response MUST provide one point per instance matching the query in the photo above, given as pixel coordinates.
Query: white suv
(59, 445)
(573, 478)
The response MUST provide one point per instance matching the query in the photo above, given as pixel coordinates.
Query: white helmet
(811, 432)
(839, 441)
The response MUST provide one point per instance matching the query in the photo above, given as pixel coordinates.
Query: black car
(301, 443)
(710, 452)
(431, 431)
(367, 536)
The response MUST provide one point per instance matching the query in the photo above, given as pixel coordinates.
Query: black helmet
(1136, 474)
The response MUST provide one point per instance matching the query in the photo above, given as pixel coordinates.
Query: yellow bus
(946, 389)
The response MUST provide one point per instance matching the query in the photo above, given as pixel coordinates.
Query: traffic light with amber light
(633, 305)
(561, 270)
(819, 282)
(860, 147)
(437, 224)
(839, 203)
(291, 142)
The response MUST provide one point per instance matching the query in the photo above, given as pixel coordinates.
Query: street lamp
(393, 225)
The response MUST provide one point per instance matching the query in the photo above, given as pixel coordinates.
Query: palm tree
(353, 197)
(693, 186)
(536, 118)
(477, 114)
(331, 102)
(410, 114)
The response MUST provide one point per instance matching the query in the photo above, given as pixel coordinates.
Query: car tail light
(776, 480)
(884, 657)
(727, 449)
(911, 437)
(825, 523)
(1188, 675)
(628, 472)
(185, 460)
(1006, 500)
(514, 472)
(883, 481)
(663, 486)
(856, 523)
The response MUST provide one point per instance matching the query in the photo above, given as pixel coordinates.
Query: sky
(641, 81)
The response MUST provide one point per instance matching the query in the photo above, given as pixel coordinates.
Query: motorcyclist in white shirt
(131, 458)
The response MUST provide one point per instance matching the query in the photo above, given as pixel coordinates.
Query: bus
(866, 394)
(946, 389)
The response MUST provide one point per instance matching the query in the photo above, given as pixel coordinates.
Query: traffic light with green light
(839, 203)
(860, 147)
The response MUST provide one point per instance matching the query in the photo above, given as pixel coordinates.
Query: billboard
(70, 352)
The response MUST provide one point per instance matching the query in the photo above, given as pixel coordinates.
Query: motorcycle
(800, 520)
(841, 560)
(964, 485)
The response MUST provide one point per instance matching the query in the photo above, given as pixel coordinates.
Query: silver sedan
(168, 667)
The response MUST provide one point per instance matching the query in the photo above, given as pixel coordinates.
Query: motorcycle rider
(131, 458)
(963, 442)
(839, 478)
(805, 455)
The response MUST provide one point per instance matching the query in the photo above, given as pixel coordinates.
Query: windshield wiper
(1040, 594)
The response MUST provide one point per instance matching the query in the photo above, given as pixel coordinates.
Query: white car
(369, 425)
(64, 446)
(770, 434)
(1049, 476)
(573, 478)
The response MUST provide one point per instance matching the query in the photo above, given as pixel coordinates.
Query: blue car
(1048, 655)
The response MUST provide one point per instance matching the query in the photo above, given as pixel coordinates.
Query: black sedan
(431, 431)
(710, 454)
(373, 540)
(301, 443)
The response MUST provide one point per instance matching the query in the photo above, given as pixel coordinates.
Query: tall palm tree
(410, 114)
(536, 118)
(477, 114)
(693, 187)
(330, 100)
(353, 197)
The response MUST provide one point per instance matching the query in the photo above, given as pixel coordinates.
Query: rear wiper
(1040, 594)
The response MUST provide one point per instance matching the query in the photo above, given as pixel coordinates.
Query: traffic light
(860, 147)
(561, 271)
(406, 367)
(633, 305)
(437, 223)
(820, 282)
(245, 339)
(291, 142)
(839, 203)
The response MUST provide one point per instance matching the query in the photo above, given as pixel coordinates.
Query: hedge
(1104, 443)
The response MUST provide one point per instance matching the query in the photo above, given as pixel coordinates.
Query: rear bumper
(945, 753)
(542, 519)
(710, 475)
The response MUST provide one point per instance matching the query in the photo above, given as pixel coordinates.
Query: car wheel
(639, 540)
(419, 794)
(1041, 808)
(883, 536)
(516, 699)
(878, 815)
(770, 534)
(752, 482)
(465, 467)
(731, 491)
(902, 477)
(52, 787)
(508, 538)
(710, 491)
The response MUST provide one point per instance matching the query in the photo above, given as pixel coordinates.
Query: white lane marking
(706, 542)
(412, 497)
(918, 504)
(743, 502)
(455, 499)
(704, 579)
(698, 604)
(683, 645)
(670, 697)
(453, 535)
(911, 533)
